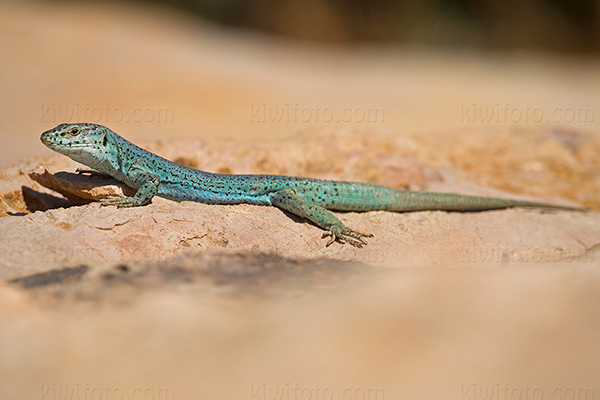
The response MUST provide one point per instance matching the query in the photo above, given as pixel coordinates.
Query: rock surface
(54, 236)
(235, 292)
(188, 301)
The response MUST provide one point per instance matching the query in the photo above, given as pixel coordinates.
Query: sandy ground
(238, 307)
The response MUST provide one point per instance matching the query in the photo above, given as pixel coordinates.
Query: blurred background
(270, 69)
(548, 25)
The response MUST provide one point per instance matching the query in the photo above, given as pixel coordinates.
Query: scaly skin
(104, 151)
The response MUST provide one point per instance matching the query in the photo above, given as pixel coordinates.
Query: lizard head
(82, 142)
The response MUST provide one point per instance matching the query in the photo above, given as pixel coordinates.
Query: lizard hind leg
(289, 200)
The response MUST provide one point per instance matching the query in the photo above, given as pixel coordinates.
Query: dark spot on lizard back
(104, 141)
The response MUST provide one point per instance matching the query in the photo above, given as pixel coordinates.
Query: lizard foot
(343, 235)
(119, 201)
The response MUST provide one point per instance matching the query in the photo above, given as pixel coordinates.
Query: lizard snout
(46, 137)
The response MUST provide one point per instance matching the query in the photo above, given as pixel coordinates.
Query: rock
(69, 235)
(81, 189)
(190, 301)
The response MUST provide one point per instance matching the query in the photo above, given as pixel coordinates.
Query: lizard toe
(345, 235)
(119, 201)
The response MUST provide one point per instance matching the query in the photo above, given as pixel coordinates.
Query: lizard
(105, 152)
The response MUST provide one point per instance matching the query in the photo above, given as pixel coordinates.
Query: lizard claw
(83, 171)
(343, 235)
(93, 173)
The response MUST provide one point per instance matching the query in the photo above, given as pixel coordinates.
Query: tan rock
(93, 235)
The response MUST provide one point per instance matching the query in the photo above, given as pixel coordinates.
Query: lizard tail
(420, 201)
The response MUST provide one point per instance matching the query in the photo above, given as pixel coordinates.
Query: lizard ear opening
(104, 141)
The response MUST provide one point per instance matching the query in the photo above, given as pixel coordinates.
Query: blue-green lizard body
(104, 151)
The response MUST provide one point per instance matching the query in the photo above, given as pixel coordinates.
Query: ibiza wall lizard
(150, 175)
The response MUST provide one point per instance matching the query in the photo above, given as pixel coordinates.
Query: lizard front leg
(147, 185)
(288, 199)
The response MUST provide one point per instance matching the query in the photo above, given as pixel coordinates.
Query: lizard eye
(74, 131)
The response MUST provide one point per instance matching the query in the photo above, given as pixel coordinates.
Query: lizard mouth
(50, 141)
